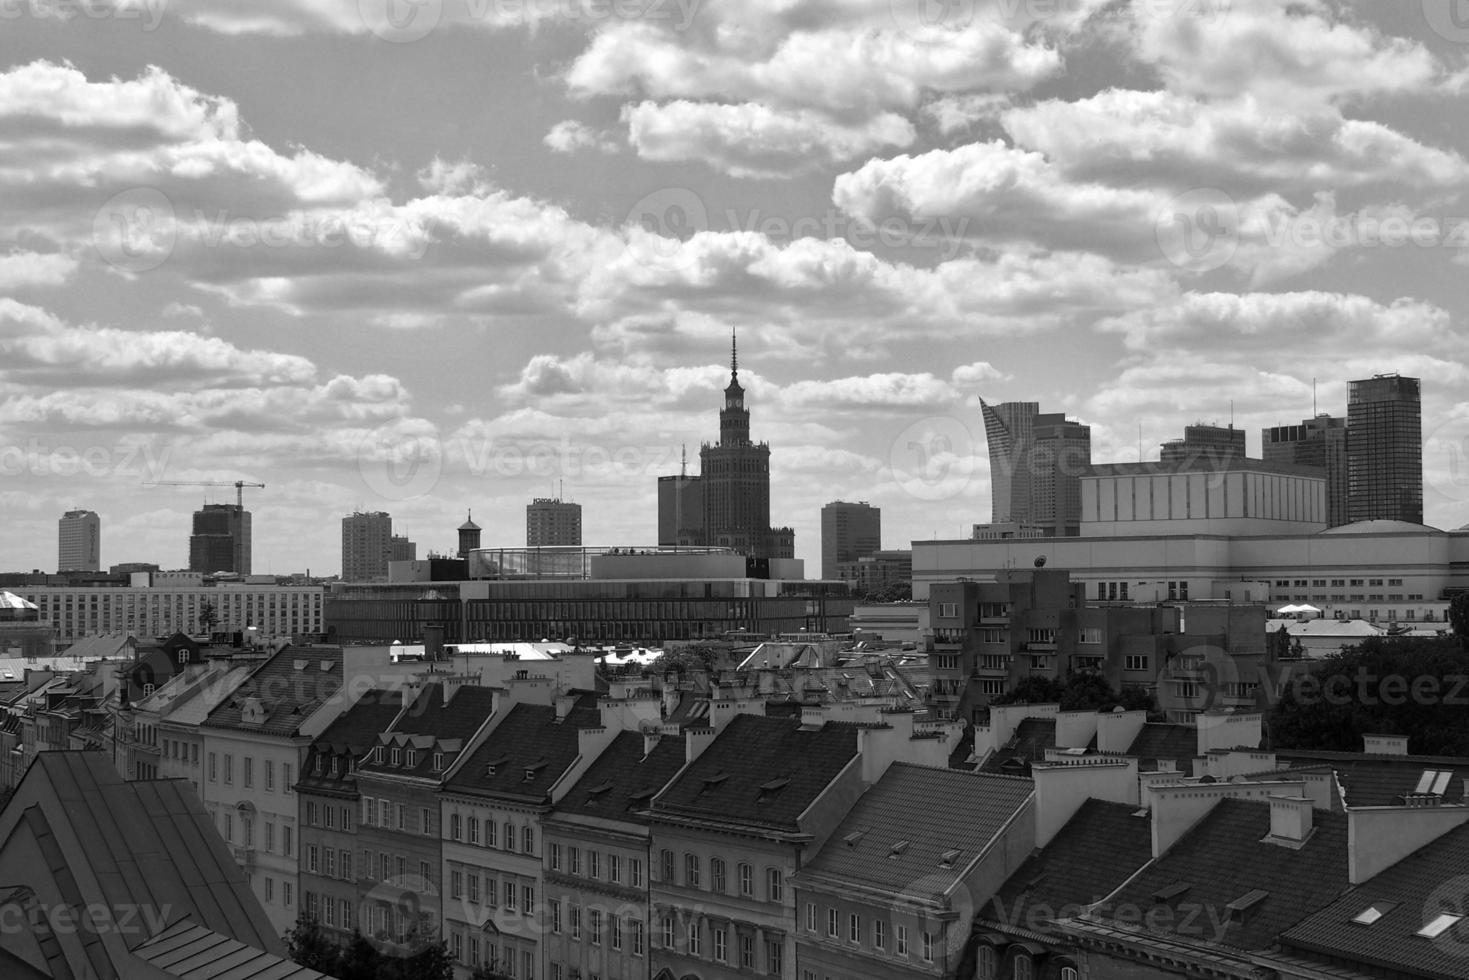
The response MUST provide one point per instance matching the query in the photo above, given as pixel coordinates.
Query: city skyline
(290, 248)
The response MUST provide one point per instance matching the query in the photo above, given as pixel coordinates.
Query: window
(286, 833)
(456, 828)
(927, 946)
(635, 872)
(691, 870)
(721, 944)
(249, 772)
(810, 916)
(594, 925)
(555, 905)
(773, 884)
(213, 769)
(1136, 662)
(900, 940)
(424, 825)
(665, 868)
(774, 956)
(668, 932)
(456, 883)
(510, 896)
(747, 952)
(854, 928)
(528, 898)
(614, 868)
(949, 610)
(528, 840)
(594, 864)
(716, 874)
(553, 855)
(614, 929)
(637, 937)
(831, 922)
(575, 855)
(1024, 968)
(694, 937)
(509, 836)
(229, 769)
(311, 860)
(574, 913)
(1070, 973)
(747, 880)
(286, 777)
(474, 830)
(879, 934)
(986, 967)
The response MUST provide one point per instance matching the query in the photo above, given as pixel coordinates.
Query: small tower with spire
(468, 535)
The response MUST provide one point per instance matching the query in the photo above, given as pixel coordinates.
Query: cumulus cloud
(569, 136)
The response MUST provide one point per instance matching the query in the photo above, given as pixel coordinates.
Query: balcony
(1039, 646)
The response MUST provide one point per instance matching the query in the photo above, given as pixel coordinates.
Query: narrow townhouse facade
(180, 707)
(400, 837)
(598, 855)
(494, 803)
(330, 804)
(731, 831)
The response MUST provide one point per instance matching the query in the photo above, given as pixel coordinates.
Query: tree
(489, 971)
(1035, 689)
(208, 618)
(1076, 692)
(1459, 617)
(1413, 686)
(307, 945)
(892, 592)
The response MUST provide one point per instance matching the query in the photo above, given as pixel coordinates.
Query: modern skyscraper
(848, 532)
(1385, 449)
(221, 540)
(401, 549)
(367, 546)
(680, 510)
(1320, 442)
(79, 542)
(1036, 463)
(1205, 443)
(552, 521)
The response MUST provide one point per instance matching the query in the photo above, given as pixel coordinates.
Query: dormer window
(412, 759)
(438, 762)
(318, 765)
(397, 757)
(377, 754)
(334, 765)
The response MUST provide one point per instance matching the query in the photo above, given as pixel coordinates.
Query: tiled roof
(1177, 743)
(354, 732)
(1029, 743)
(1416, 888)
(529, 742)
(193, 706)
(623, 780)
(1379, 780)
(1100, 846)
(192, 952)
(291, 686)
(903, 829)
(1223, 859)
(429, 724)
(760, 771)
(149, 844)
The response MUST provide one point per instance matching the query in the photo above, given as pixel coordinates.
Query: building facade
(221, 540)
(680, 510)
(275, 610)
(367, 546)
(1385, 449)
(79, 542)
(1036, 461)
(1204, 444)
(551, 521)
(848, 532)
(402, 549)
(1320, 442)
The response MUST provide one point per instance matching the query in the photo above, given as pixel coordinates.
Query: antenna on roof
(1313, 398)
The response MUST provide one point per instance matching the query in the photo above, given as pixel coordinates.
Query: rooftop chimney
(1290, 820)
(1385, 744)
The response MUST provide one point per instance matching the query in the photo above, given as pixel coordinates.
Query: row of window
(247, 773)
(503, 836)
(328, 816)
(471, 952)
(1320, 583)
(597, 866)
(719, 876)
(879, 932)
(465, 885)
(394, 868)
(247, 832)
(388, 815)
(719, 946)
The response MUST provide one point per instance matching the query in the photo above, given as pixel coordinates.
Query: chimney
(651, 736)
(1290, 820)
(1385, 744)
(564, 704)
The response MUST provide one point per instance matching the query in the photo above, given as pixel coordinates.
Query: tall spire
(734, 355)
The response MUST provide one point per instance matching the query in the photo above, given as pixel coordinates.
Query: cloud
(21, 269)
(569, 136)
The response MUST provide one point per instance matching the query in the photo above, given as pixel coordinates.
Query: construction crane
(239, 485)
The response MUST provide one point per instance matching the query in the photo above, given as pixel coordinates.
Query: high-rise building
(1205, 443)
(401, 549)
(732, 491)
(1320, 442)
(79, 542)
(221, 540)
(552, 521)
(1385, 449)
(1036, 463)
(848, 532)
(367, 546)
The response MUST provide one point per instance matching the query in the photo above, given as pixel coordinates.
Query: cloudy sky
(429, 255)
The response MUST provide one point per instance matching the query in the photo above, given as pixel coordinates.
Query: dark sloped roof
(1177, 743)
(191, 952)
(530, 741)
(1223, 858)
(623, 781)
(760, 771)
(1100, 846)
(1032, 738)
(431, 718)
(1417, 886)
(1382, 780)
(354, 732)
(290, 685)
(904, 830)
(151, 845)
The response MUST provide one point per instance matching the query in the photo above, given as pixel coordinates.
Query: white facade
(1134, 499)
(1384, 570)
(277, 610)
(79, 542)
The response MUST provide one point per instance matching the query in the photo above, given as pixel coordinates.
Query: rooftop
(527, 752)
(283, 692)
(624, 779)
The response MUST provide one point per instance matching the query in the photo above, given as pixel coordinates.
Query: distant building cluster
(369, 546)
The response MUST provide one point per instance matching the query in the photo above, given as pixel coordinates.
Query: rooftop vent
(948, 858)
(852, 839)
(898, 849)
(494, 764)
(1242, 905)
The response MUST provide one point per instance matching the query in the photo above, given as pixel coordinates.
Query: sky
(439, 256)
